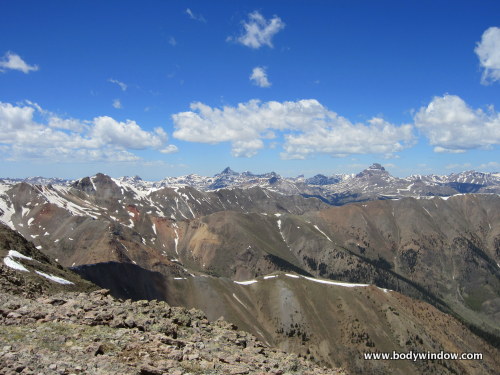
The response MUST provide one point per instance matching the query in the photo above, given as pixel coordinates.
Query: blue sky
(165, 88)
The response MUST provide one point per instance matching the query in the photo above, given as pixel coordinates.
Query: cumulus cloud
(246, 148)
(15, 62)
(488, 51)
(122, 85)
(452, 126)
(258, 31)
(55, 121)
(108, 131)
(24, 136)
(170, 149)
(117, 104)
(307, 127)
(259, 77)
(196, 17)
(341, 138)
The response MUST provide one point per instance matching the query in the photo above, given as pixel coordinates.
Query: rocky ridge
(93, 333)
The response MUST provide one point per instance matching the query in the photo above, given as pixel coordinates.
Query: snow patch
(11, 263)
(24, 211)
(6, 207)
(292, 275)
(270, 277)
(338, 283)
(248, 282)
(57, 195)
(16, 254)
(54, 278)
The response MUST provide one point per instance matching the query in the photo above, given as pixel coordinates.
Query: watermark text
(422, 356)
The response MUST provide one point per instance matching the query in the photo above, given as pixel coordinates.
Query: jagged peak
(376, 166)
(228, 171)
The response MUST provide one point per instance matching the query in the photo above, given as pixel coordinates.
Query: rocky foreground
(94, 333)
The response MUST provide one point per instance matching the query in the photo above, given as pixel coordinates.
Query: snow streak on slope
(321, 281)
(248, 282)
(6, 206)
(53, 278)
(337, 283)
(323, 233)
(9, 262)
(56, 196)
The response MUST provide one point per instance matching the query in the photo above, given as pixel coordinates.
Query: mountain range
(372, 183)
(326, 267)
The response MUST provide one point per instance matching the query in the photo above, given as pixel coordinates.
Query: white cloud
(68, 154)
(128, 134)
(15, 62)
(246, 148)
(117, 104)
(196, 17)
(340, 138)
(307, 127)
(55, 121)
(172, 41)
(452, 126)
(258, 31)
(259, 77)
(170, 149)
(490, 165)
(122, 85)
(488, 51)
(58, 139)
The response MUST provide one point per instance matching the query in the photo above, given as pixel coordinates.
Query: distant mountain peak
(228, 170)
(376, 166)
(375, 169)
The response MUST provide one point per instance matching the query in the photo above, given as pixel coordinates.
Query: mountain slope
(449, 247)
(26, 270)
(331, 322)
